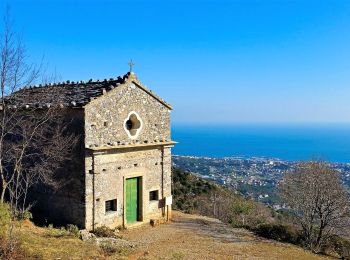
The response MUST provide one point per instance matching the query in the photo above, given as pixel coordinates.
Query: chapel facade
(120, 174)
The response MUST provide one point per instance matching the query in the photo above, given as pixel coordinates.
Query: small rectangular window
(153, 195)
(111, 205)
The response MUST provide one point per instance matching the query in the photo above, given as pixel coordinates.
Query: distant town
(253, 177)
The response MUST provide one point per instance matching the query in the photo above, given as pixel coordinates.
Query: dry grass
(188, 237)
(39, 244)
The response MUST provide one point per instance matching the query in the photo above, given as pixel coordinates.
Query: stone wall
(105, 177)
(66, 205)
(105, 118)
(110, 159)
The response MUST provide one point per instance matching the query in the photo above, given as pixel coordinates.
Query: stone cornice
(125, 146)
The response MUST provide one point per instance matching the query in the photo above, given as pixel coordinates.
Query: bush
(26, 215)
(109, 248)
(73, 230)
(23, 215)
(11, 249)
(247, 213)
(235, 223)
(55, 232)
(104, 231)
(5, 219)
(338, 245)
(278, 232)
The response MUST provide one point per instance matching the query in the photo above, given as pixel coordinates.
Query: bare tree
(318, 199)
(216, 204)
(34, 141)
(230, 208)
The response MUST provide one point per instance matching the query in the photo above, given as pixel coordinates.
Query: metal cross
(131, 65)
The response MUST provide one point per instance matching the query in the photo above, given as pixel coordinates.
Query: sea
(328, 142)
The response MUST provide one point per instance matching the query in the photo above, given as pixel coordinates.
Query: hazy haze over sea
(289, 142)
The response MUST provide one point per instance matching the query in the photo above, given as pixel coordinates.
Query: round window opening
(128, 124)
(133, 125)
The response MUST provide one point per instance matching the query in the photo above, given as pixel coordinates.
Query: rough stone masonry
(120, 174)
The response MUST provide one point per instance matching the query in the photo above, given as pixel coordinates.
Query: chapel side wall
(66, 205)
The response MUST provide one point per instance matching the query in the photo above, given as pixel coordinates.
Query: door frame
(141, 185)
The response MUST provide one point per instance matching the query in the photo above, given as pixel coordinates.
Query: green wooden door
(131, 197)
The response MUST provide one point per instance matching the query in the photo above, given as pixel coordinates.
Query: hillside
(254, 177)
(187, 188)
(195, 195)
(186, 237)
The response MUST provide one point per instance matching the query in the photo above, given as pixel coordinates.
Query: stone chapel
(121, 172)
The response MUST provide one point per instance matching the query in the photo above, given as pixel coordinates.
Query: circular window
(133, 125)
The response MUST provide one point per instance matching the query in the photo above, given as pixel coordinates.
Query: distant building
(121, 172)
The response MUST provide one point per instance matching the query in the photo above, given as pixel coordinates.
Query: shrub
(27, 215)
(5, 219)
(235, 223)
(104, 231)
(338, 245)
(23, 215)
(73, 230)
(278, 232)
(109, 248)
(70, 230)
(247, 213)
(10, 249)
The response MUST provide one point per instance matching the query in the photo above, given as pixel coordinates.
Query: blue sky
(214, 61)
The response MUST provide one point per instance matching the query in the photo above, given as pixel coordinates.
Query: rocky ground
(198, 237)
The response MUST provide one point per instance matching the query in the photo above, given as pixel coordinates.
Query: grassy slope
(40, 243)
(174, 241)
(183, 239)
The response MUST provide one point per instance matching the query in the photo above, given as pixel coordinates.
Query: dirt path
(197, 237)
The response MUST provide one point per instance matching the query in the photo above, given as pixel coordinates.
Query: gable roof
(72, 94)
